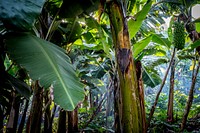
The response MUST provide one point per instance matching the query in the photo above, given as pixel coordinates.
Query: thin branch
(190, 98)
(161, 87)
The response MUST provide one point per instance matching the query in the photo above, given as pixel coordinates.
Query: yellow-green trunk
(129, 111)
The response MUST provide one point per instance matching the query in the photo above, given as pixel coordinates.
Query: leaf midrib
(57, 72)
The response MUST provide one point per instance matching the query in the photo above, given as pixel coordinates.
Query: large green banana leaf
(156, 38)
(20, 14)
(134, 25)
(49, 64)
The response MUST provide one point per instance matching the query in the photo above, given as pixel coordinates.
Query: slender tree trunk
(127, 98)
(16, 107)
(47, 114)
(21, 126)
(14, 114)
(28, 125)
(11, 121)
(36, 109)
(160, 89)
(73, 121)
(170, 117)
(190, 97)
(141, 93)
(117, 104)
(62, 122)
(194, 36)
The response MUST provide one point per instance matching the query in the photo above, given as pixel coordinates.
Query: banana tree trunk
(47, 113)
(129, 109)
(170, 117)
(22, 123)
(10, 122)
(14, 114)
(73, 120)
(16, 107)
(141, 93)
(35, 117)
(62, 122)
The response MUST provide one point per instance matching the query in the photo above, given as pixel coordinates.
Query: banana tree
(128, 108)
(43, 60)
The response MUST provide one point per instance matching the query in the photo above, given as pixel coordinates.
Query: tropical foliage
(99, 66)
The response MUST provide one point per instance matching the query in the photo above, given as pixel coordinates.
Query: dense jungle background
(88, 66)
